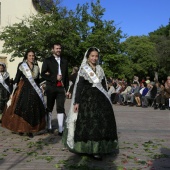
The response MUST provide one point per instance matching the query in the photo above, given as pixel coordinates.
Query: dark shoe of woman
(50, 131)
(30, 135)
(21, 133)
(98, 157)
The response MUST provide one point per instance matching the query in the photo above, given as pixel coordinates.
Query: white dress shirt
(58, 61)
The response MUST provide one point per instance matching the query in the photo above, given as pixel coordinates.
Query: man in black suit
(55, 72)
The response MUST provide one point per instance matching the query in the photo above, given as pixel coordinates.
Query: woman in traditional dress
(26, 114)
(90, 124)
(4, 87)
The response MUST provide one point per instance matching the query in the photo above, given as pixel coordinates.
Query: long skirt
(26, 112)
(96, 131)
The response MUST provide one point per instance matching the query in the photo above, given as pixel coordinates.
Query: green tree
(76, 30)
(142, 53)
(161, 38)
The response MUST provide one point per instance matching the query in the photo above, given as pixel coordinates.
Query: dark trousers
(160, 99)
(57, 94)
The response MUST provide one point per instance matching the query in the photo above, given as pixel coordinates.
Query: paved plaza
(144, 141)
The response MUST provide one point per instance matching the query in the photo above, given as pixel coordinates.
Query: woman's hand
(76, 108)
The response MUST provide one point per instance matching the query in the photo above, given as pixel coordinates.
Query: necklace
(93, 67)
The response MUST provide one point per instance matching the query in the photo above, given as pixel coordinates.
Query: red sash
(59, 84)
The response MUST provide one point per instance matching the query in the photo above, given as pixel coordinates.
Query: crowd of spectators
(144, 93)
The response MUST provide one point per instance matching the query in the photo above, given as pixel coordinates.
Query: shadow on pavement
(87, 162)
(162, 160)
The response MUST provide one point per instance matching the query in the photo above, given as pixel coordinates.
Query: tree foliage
(161, 38)
(142, 53)
(83, 28)
(76, 30)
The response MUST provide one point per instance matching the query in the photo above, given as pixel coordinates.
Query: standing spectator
(111, 89)
(57, 82)
(4, 87)
(26, 114)
(147, 79)
(160, 99)
(90, 125)
(136, 79)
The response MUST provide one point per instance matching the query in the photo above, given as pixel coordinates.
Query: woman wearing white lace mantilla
(90, 125)
(26, 114)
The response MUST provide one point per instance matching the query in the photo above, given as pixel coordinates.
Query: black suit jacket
(50, 65)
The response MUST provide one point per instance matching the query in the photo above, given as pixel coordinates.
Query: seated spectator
(124, 93)
(131, 95)
(150, 95)
(114, 95)
(118, 98)
(142, 92)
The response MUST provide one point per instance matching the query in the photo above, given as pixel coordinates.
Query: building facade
(13, 11)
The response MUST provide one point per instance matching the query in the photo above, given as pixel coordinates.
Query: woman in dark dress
(4, 87)
(26, 114)
(90, 125)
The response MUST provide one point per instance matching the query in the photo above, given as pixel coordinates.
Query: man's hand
(76, 108)
(59, 77)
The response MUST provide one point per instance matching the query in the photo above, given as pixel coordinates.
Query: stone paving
(144, 141)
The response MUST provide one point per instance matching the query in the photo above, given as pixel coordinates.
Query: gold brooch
(91, 74)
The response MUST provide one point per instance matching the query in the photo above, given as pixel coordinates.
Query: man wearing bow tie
(55, 72)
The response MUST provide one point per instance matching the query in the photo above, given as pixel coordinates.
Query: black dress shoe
(30, 135)
(60, 133)
(156, 107)
(162, 108)
(50, 131)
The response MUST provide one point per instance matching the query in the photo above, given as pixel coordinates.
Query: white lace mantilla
(99, 73)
